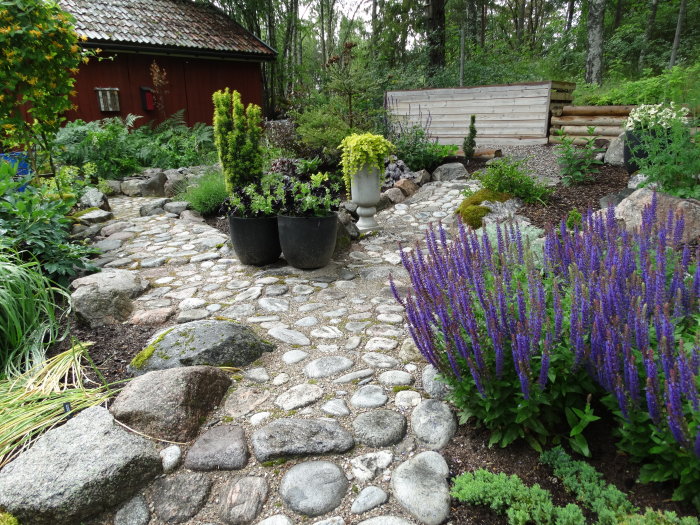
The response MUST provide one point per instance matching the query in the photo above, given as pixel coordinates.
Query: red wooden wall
(191, 84)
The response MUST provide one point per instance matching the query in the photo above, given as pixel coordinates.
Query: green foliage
(30, 314)
(574, 219)
(8, 519)
(469, 144)
(206, 194)
(322, 130)
(257, 200)
(506, 175)
(509, 495)
(367, 151)
(237, 136)
(652, 517)
(472, 215)
(309, 199)
(588, 486)
(679, 84)
(415, 147)
(578, 163)
(33, 223)
(40, 55)
(670, 157)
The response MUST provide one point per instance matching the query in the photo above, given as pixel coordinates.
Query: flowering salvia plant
(611, 314)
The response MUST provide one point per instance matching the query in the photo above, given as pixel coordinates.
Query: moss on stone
(472, 215)
(401, 388)
(80, 213)
(485, 195)
(274, 462)
(144, 355)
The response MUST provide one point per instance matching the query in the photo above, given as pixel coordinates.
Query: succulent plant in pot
(308, 222)
(251, 214)
(362, 160)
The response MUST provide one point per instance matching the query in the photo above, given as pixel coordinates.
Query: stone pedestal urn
(364, 190)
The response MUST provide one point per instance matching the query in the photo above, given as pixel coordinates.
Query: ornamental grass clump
(610, 314)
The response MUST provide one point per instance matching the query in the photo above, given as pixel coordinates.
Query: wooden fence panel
(507, 114)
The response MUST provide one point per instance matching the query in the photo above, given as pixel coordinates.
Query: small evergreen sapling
(469, 144)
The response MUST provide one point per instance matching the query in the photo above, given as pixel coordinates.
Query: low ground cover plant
(206, 194)
(506, 175)
(606, 313)
(418, 150)
(522, 504)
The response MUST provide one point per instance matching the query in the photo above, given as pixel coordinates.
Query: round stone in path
(380, 343)
(313, 488)
(379, 428)
(435, 388)
(335, 407)
(277, 519)
(288, 336)
(378, 360)
(327, 332)
(220, 448)
(385, 520)
(369, 396)
(294, 356)
(433, 424)
(420, 486)
(327, 366)
(299, 396)
(300, 437)
(396, 378)
(178, 497)
(369, 498)
(242, 499)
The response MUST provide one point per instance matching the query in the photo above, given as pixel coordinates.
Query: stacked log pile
(607, 122)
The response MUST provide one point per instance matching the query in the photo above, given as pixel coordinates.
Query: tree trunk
(322, 23)
(653, 4)
(435, 25)
(461, 56)
(594, 60)
(677, 38)
(484, 12)
(472, 22)
(619, 8)
(373, 43)
(520, 26)
(570, 14)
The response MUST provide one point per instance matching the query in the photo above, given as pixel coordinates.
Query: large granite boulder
(150, 183)
(420, 486)
(94, 198)
(206, 342)
(77, 470)
(615, 152)
(450, 171)
(106, 297)
(171, 404)
(630, 211)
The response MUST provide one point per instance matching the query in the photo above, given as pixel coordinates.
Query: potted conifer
(362, 160)
(251, 209)
(308, 223)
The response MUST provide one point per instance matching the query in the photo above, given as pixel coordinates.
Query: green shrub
(670, 158)
(469, 144)
(237, 136)
(34, 222)
(29, 314)
(482, 195)
(678, 84)
(206, 194)
(506, 175)
(415, 147)
(321, 131)
(509, 495)
(8, 519)
(578, 163)
(574, 219)
(652, 517)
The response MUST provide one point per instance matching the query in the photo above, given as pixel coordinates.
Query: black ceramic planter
(255, 241)
(631, 144)
(308, 242)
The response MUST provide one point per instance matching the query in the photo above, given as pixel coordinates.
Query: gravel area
(540, 160)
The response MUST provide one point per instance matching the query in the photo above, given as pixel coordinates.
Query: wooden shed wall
(191, 84)
(505, 114)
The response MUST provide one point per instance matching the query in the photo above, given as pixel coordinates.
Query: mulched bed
(114, 346)
(468, 451)
(582, 197)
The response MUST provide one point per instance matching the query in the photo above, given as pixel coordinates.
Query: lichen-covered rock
(450, 171)
(615, 152)
(171, 404)
(205, 342)
(77, 470)
(151, 183)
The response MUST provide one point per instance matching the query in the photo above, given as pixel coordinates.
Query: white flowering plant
(649, 116)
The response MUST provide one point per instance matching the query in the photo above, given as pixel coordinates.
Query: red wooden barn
(200, 49)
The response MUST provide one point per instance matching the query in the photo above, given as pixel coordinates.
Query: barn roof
(173, 25)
